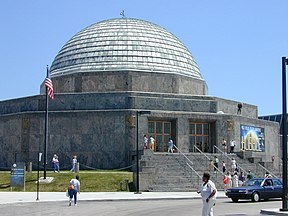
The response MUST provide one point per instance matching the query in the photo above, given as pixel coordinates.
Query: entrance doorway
(161, 131)
(199, 133)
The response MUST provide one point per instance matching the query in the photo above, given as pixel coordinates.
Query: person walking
(55, 161)
(241, 179)
(74, 162)
(145, 142)
(232, 146)
(235, 182)
(223, 166)
(215, 163)
(152, 143)
(74, 188)
(249, 175)
(224, 145)
(170, 145)
(210, 166)
(233, 165)
(225, 182)
(229, 180)
(208, 193)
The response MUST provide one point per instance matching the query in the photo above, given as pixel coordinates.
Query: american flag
(49, 86)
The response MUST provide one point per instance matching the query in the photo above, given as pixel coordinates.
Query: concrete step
(164, 169)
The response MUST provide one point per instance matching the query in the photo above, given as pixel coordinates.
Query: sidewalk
(18, 197)
(22, 197)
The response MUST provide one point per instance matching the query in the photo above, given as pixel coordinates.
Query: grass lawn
(91, 181)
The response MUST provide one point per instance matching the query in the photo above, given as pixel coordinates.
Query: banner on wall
(252, 138)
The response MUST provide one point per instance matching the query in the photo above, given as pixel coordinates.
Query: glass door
(161, 131)
(199, 137)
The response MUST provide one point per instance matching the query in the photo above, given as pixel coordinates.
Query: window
(199, 137)
(161, 131)
(276, 182)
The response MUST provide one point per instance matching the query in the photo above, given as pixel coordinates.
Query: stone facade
(136, 81)
(100, 128)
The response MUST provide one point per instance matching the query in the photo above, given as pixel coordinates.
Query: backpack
(71, 187)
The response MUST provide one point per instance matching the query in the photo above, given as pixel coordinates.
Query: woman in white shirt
(233, 165)
(74, 188)
(208, 193)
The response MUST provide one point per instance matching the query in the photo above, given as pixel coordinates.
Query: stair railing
(266, 170)
(220, 171)
(226, 155)
(189, 163)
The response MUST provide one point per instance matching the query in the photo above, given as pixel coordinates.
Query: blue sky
(238, 45)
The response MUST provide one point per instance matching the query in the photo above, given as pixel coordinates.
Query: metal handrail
(178, 150)
(267, 170)
(191, 163)
(257, 164)
(209, 160)
(226, 155)
(194, 171)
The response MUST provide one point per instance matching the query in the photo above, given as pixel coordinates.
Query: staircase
(178, 172)
(166, 172)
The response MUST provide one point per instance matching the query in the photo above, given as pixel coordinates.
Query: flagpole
(46, 128)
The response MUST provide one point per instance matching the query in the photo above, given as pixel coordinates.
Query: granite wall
(100, 127)
(99, 139)
(107, 81)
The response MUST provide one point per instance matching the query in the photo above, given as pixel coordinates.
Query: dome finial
(122, 14)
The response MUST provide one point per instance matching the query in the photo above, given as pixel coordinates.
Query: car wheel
(234, 199)
(255, 197)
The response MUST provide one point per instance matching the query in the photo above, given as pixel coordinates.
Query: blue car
(257, 189)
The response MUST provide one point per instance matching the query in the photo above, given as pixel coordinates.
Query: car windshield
(253, 182)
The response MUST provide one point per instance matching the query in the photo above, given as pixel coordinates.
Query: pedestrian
(215, 163)
(55, 161)
(229, 180)
(232, 146)
(210, 166)
(152, 143)
(249, 175)
(74, 162)
(235, 182)
(237, 169)
(224, 146)
(145, 142)
(208, 193)
(225, 182)
(233, 165)
(241, 178)
(267, 175)
(223, 166)
(74, 188)
(170, 145)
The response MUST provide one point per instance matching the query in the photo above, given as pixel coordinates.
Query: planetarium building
(122, 78)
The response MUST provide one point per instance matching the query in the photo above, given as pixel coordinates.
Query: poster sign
(17, 177)
(252, 138)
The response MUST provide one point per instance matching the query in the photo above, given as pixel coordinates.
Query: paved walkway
(22, 197)
(16, 197)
